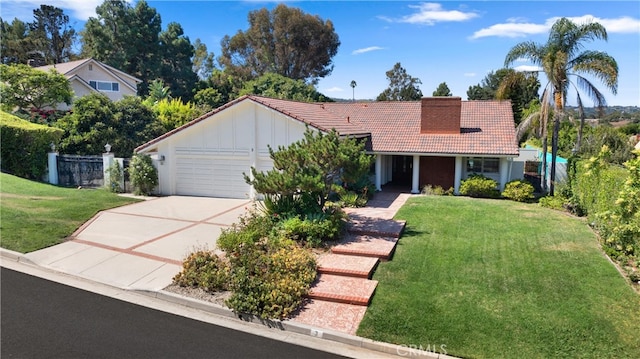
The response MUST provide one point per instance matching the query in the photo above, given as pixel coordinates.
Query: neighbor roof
(67, 69)
(487, 127)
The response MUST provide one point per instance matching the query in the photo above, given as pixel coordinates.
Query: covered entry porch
(414, 171)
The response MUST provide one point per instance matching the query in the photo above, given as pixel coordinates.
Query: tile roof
(487, 127)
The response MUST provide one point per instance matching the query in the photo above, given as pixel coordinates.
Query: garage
(210, 176)
(208, 156)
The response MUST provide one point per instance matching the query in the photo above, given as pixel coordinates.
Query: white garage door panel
(214, 177)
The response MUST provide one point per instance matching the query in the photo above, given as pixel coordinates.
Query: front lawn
(500, 279)
(35, 215)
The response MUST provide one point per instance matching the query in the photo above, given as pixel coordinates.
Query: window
(90, 67)
(105, 86)
(483, 165)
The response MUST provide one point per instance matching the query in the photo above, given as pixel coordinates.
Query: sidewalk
(164, 231)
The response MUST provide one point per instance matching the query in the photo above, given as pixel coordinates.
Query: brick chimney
(440, 115)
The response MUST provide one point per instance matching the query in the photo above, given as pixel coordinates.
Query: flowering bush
(143, 175)
(114, 173)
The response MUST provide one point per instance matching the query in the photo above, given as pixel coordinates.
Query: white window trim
(104, 82)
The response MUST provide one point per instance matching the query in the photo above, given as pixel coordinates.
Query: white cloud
(469, 74)
(527, 68)
(334, 89)
(518, 28)
(366, 49)
(431, 13)
(623, 24)
(511, 29)
(75, 9)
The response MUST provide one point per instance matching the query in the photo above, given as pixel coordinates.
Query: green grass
(35, 215)
(500, 279)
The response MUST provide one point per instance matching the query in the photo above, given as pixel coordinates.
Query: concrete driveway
(141, 246)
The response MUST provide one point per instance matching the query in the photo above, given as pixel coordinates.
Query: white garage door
(212, 176)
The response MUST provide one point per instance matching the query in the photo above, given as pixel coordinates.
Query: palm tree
(565, 64)
(353, 86)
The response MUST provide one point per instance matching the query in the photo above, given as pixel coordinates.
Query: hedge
(24, 146)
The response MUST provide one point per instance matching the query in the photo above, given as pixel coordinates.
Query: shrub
(479, 186)
(143, 175)
(312, 230)
(115, 175)
(352, 199)
(204, 269)
(553, 202)
(430, 190)
(520, 191)
(249, 229)
(270, 282)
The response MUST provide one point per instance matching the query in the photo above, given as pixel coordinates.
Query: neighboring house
(89, 75)
(437, 141)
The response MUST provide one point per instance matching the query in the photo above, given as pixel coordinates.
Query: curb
(298, 328)
(15, 256)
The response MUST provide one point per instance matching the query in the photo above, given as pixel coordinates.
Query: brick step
(347, 265)
(341, 289)
(331, 315)
(366, 246)
(375, 226)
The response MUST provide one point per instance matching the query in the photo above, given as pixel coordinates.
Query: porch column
(504, 173)
(457, 176)
(415, 177)
(378, 172)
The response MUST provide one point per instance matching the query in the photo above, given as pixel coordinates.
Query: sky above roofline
(446, 41)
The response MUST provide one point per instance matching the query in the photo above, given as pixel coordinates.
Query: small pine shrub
(520, 191)
(143, 175)
(204, 269)
(479, 186)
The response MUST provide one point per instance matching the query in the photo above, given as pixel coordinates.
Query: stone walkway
(344, 288)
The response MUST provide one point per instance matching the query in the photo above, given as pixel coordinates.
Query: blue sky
(446, 41)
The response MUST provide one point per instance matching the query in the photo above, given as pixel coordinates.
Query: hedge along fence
(610, 197)
(25, 145)
(595, 185)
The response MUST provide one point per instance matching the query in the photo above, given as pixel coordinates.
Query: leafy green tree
(52, 34)
(402, 86)
(564, 63)
(25, 88)
(285, 41)
(135, 123)
(209, 98)
(521, 88)
(278, 86)
(89, 127)
(218, 89)
(203, 60)
(177, 67)
(314, 166)
(175, 113)
(15, 44)
(442, 90)
(126, 38)
(96, 121)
